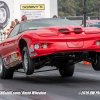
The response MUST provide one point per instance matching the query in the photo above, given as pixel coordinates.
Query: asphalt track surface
(56, 87)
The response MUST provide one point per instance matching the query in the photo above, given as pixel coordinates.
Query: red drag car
(49, 42)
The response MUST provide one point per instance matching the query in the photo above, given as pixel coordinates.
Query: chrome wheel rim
(1, 65)
(25, 62)
(2, 15)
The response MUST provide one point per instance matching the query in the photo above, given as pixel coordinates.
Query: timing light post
(84, 12)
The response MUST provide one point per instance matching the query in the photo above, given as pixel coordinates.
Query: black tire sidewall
(5, 6)
(31, 62)
(2, 74)
(66, 70)
(97, 65)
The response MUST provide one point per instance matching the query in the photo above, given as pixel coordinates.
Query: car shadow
(55, 80)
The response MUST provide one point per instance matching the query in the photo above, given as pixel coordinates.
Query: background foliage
(75, 7)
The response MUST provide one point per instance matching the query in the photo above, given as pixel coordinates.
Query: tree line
(75, 7)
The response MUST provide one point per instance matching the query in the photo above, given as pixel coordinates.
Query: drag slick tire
(27, 62)
(96, 63)
(4, 15)
(66, 71)
(5, 73)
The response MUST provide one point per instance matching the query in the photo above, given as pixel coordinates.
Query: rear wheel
(96, 62)
(27, 62)
(66, 71)
(5, 73)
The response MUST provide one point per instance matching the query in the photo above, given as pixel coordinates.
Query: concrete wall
(50, 7)
(53, 8)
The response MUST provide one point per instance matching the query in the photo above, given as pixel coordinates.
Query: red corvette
(49, 42)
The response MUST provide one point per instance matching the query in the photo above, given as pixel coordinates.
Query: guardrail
(79, 17)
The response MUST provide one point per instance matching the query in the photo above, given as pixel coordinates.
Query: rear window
(40, 23)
